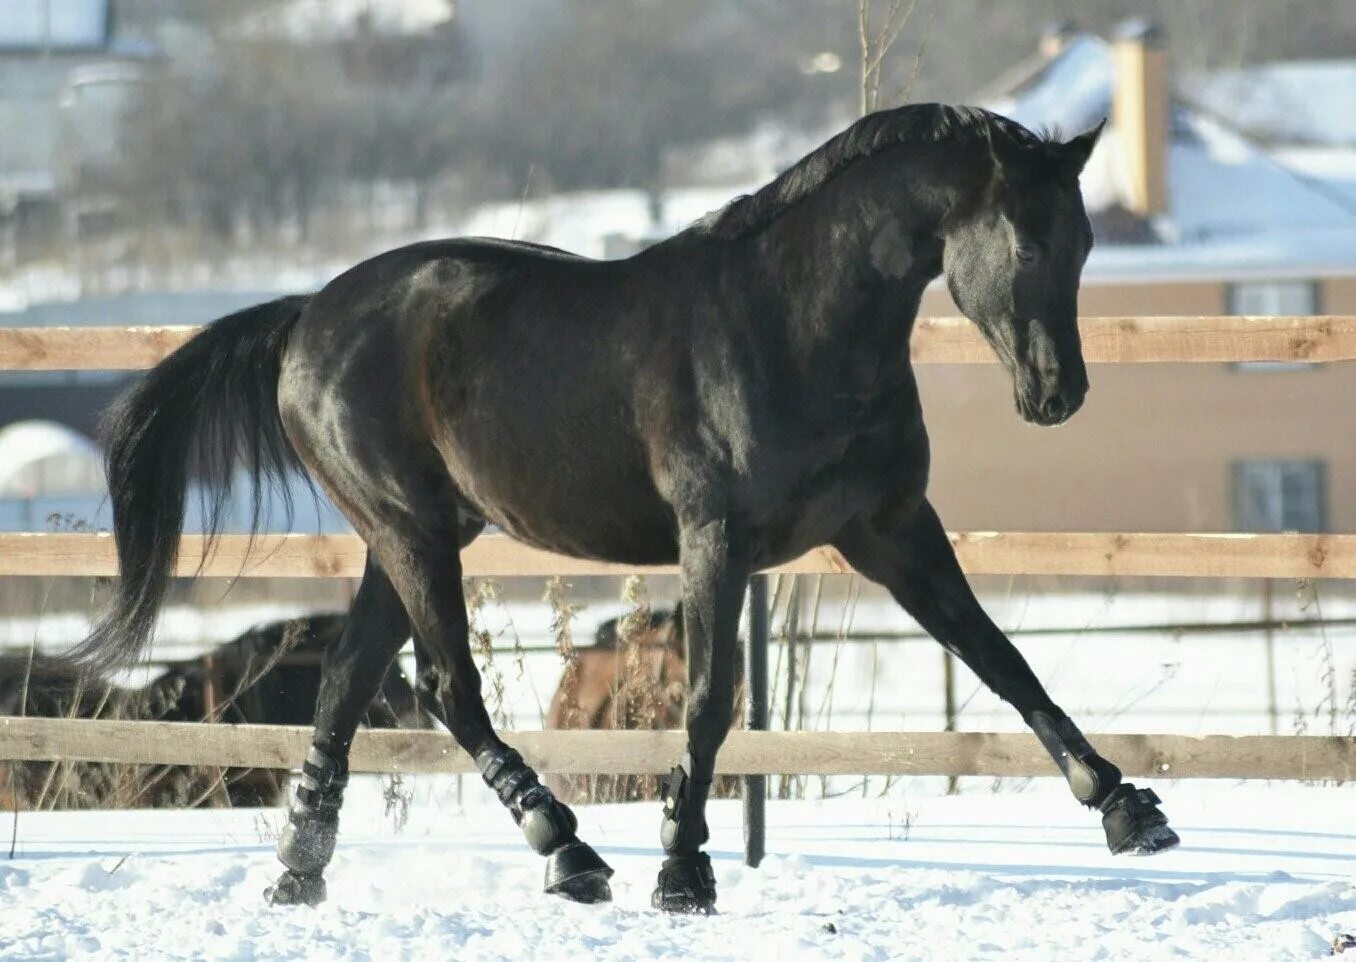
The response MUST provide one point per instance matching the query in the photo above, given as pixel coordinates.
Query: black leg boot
(687, 883)
(1130, 817)
(307, 842)
(573, 869)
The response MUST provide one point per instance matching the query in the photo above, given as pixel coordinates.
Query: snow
(1236, 208)
(1220, 184)
(1072, 94)
(1297, 253)
(1330, 168)
(1264, 873)
(322, 20)
(583, 221)
(1295, 101)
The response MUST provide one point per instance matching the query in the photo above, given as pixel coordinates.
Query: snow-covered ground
(1264, 873)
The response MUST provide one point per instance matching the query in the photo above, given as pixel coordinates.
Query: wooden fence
(497, 556)
(937, 340)
(654, 752)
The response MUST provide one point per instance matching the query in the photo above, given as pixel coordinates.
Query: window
(1273, 299)
(1280, 496)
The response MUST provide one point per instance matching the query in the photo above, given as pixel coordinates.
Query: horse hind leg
(427, 574)
(352, 670)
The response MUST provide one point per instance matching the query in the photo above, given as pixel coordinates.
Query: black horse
(727, 399)
(270, 675)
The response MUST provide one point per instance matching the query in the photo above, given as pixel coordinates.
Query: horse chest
(806, 499)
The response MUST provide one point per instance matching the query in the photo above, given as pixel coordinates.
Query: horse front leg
(714, 579)
(914, 559)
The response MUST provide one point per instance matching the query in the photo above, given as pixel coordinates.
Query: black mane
(910, 124)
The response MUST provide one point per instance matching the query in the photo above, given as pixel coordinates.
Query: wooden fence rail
(980, 552)
(1303, 757)
(936, 340)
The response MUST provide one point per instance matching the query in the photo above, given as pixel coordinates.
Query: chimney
(1055, 36)
(1141, 104)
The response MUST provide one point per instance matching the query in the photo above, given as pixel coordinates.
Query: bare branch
(876, 45)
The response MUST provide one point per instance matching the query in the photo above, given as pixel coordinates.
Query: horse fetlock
(684, 826)
(573, 870)
(547, 823)
(1091, 777)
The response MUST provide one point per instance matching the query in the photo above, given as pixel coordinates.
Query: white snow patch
(1296, 101)
(1264, 873)
(321, 20)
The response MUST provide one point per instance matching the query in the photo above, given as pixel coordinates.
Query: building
(1204, 202)
(66, 80)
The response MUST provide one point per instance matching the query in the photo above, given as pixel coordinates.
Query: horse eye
(1026, 253)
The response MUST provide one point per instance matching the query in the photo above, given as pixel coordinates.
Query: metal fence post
(755, 678)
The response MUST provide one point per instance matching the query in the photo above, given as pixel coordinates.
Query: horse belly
(590, 507)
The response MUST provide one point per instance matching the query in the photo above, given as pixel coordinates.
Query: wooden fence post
(755, 680)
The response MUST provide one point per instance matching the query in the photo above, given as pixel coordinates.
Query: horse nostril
(1054, 408)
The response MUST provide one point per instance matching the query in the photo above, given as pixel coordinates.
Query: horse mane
(910, 124)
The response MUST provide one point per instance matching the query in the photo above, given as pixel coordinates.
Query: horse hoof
(293, 889)
(1133, 823)
(575, 872)
(687, 885)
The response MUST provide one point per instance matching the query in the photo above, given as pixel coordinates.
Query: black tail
(209, 407)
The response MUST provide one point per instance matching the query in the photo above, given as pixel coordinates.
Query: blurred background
(168, 161)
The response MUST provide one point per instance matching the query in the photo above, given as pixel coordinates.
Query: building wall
(1153, 447)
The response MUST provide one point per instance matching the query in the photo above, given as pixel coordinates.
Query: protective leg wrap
(1090, 776)
(1134, 824)
(307, 842)
(573, 869)
(686, 882)
(684, 826)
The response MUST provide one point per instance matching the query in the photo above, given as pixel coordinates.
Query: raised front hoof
(1133, 823)
(293, 889)
(687, 886)
(576, 872)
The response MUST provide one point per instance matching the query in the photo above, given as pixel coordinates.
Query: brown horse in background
(633, 678)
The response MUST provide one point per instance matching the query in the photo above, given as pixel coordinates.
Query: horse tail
(209, 407)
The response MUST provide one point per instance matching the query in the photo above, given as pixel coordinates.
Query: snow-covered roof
(1233, 204)
(1222, 185)
(1286, 102)
(1071, 94)
(43, 457)
(1330, 169)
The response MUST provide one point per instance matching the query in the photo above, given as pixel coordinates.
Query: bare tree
(875, 41)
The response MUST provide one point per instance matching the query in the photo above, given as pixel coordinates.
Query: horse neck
(852, 259)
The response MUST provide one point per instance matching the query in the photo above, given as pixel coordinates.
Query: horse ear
(1074, 154)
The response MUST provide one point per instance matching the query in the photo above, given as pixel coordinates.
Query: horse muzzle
(1051, 401)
